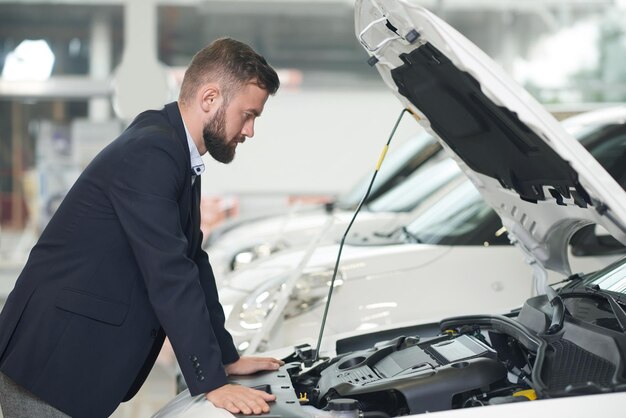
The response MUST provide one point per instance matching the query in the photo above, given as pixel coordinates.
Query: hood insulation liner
(490, 139)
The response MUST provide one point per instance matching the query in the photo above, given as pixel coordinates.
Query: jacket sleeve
(207, 280)
(144, 193)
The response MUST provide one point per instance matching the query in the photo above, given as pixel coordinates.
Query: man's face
(233, 122)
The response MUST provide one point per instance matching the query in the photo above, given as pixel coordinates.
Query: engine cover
(425, 376)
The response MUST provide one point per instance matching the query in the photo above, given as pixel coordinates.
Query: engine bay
(472, 361)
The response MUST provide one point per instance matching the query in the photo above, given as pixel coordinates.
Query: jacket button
(200, 378)
(196, 364)
(193, 358)
(199, 372)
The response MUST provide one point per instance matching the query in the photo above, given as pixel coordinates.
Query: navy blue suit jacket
(118, 267)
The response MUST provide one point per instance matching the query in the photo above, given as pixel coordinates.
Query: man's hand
(249, 365)
(240, 399)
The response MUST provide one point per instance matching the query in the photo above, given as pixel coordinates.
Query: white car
(402, 189)
(566, 347)
(241, 242)
(456, 228)
(399, 164)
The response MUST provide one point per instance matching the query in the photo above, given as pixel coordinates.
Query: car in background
(454, 229)
(254, 240)
(399, 164)
(395, 199)
(565, 347)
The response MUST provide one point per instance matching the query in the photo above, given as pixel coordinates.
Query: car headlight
(247, 256)
(310, 290)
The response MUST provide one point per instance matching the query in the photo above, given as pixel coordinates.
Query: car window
(612, 278)
(460, 218)
(588, 242)
(417, 188)
(398, 165)
(609, 147)
(607, 143)
(585, 132)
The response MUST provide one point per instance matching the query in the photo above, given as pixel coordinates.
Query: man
(120, 265)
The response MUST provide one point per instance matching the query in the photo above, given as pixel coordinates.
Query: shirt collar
(197, 165)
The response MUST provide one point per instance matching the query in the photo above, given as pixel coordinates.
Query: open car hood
(539, 179)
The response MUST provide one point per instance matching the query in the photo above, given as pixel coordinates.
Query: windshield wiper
(411, 235)
(573, 277)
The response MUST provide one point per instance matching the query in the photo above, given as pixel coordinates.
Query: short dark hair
(230, 63)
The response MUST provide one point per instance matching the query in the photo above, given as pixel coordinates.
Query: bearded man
(120, 265)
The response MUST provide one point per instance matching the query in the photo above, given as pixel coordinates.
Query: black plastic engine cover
(427, 375)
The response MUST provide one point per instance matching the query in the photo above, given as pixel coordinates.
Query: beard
(214, 135)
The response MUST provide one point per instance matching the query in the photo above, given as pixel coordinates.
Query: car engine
(472, 361)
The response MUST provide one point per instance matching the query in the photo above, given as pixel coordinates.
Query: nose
(248, 129)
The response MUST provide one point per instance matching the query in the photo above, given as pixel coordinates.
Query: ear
(210, 97)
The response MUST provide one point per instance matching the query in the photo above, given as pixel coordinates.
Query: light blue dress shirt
(197, 165)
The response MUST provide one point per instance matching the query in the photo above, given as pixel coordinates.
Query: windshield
(460, 218)
(611, 278)
(596, 299)
(584, 131)
(419, 186)
(608, 145)
(396, 167)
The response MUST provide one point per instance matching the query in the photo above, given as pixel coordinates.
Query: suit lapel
(189, 203)
(195, 215)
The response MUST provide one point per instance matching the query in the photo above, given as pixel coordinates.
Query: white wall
(311, 142)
